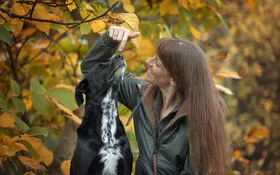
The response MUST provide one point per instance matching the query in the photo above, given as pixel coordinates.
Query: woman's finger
(120, 35)
(115, 33)
(124, 40)
(133, 35)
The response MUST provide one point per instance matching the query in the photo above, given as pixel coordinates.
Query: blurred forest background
(42, 43)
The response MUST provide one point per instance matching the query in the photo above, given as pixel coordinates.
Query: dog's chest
(110, 152)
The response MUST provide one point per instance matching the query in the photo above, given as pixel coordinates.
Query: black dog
(102, 145)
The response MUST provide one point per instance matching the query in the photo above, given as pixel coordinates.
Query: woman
(178, 114)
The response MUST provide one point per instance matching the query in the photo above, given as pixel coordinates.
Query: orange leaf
(65, 167)
(18, 9)
(45, 155)
(31, 163)
(259, 132)
(236, 154)
(221, 55)
(7, 121)
(252, 4)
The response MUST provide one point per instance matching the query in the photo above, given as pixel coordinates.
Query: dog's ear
(81, 89)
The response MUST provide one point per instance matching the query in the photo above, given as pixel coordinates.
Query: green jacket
(166, 153)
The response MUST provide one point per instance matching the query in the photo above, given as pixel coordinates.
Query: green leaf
(36, 87)
(21, 125)
(19, 105)
(50, 82)
(15, 88)
(56, 65)
(37, 130)
(38, 70)
(30, 148)
(43, 106)
(5, 35)
(4, 108)
(2, 95)
(65, 97)
(85, 29)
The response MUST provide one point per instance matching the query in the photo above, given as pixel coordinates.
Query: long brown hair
(209, 143)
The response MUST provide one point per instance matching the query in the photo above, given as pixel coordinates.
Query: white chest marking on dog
(110, 152)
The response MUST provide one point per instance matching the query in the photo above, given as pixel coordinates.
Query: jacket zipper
(157, 144)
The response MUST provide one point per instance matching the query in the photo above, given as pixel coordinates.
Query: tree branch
(67, 24)
(32, 10)
(51, 4)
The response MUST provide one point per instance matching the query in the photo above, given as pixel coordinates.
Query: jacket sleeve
(129, 93)
(103, 49)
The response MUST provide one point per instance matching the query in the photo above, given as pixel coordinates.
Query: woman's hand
(122, 35)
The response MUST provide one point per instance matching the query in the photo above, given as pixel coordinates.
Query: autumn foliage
(42, 43)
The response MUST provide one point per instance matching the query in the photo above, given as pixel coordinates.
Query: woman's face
(157, 74)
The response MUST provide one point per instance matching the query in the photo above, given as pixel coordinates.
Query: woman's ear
(172, 82)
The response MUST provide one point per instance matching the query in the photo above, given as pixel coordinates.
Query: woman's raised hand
(122, 35)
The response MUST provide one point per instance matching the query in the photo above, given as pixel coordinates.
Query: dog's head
(101, 77)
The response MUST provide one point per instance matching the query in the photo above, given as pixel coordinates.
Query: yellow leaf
(42, 13)
(131, 19)
(128, 7)
(224, 89)
(31, 163)
(65, 167)
(195, 4)
(228, 73)
(185, 4)
(144, 46)
(218, 78)
(45, 155)
(18, 9)
(7, 121)
(97, 25)
(42, 26)
(268, 105)
(168, 7)
(72, 116)
(195, 33)
(129, 54)
(27, 98)
(221, 55)
(71, 6)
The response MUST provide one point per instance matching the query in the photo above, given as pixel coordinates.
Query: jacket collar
(149, 91)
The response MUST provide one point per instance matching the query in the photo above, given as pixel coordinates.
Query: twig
(51, 4)
(67, 24)
(32, 10)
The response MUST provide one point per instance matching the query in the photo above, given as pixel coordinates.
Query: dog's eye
(102, 66)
